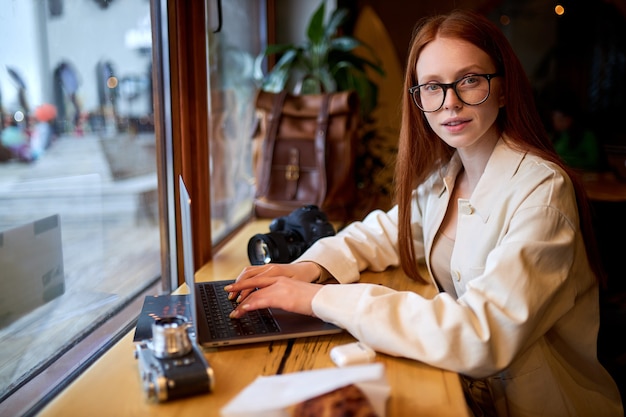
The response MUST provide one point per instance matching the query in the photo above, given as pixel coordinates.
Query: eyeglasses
(471, 90)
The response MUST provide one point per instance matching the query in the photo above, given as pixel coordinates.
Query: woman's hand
(285, 286)
(302, 271)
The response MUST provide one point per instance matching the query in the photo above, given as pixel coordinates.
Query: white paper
(269, 396)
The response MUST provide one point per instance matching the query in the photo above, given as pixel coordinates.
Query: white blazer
(527, 313)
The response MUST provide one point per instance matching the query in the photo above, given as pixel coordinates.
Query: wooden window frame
(187, 28)
(189, 121)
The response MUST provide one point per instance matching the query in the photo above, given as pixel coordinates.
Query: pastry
(348, 401)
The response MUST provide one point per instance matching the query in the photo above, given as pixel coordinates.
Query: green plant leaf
(337, 18)
(344, 43)
(328, 81)
(358, 62)
(278, 49)
(310, 86)
(287, 60)
(275, 81)
(277, 78)
(315, 30)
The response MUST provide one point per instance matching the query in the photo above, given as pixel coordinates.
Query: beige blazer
(527, 313)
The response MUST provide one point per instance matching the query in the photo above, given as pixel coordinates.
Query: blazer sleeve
(368, 244)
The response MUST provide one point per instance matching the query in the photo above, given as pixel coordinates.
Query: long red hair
(421, 151)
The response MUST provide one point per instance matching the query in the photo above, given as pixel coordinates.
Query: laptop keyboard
(217, 306)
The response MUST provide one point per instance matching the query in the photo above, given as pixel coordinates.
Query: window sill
(28, 399)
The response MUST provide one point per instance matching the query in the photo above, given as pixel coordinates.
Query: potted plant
(326, 62)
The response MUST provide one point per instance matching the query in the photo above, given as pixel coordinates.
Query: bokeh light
(559, 10)
(112, 82)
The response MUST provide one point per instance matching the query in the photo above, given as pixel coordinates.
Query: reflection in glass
(232, 53)
(78, 142)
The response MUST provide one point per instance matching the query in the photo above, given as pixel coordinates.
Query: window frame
(186, 28)
(187, 25)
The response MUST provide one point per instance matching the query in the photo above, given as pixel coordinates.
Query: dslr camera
(289, 236)
(170, 365)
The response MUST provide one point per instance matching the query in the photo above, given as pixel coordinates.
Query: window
(107, 132)
(231, 71)
(78, 142)
(103, 104)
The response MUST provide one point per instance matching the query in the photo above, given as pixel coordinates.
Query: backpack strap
(268, 143)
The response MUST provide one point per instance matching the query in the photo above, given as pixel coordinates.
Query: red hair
(421, 151)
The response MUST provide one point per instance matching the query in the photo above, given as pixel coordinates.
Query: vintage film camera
(289, 236)
(171, 366)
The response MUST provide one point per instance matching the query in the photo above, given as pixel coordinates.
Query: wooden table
(111, 387)
(604, 187)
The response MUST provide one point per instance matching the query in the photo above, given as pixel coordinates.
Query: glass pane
(79, 142)
(232, 52)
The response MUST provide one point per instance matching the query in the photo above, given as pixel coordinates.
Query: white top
(527, 313)
(440, 263)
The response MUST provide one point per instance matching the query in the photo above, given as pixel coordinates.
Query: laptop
(31, 265)
(212, 307)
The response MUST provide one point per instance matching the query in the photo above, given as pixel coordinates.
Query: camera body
(171, 366)
(289, 236)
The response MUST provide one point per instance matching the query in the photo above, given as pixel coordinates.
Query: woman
(503, 227)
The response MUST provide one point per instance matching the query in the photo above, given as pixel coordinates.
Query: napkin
(269, 396)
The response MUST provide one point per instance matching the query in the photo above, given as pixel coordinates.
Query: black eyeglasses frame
(452, 85)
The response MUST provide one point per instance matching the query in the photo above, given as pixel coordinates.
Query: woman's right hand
(301, 271)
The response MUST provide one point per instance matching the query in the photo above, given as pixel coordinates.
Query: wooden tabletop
(111, 386)
(604, 187)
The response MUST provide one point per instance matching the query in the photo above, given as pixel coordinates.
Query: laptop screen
(187, 241)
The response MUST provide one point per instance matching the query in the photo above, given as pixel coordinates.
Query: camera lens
(267, 248)
(259, 251)
(170, 338)
(275, 247)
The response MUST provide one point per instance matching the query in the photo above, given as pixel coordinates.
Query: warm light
(558, 9)
(505, 20)
(112, 82)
